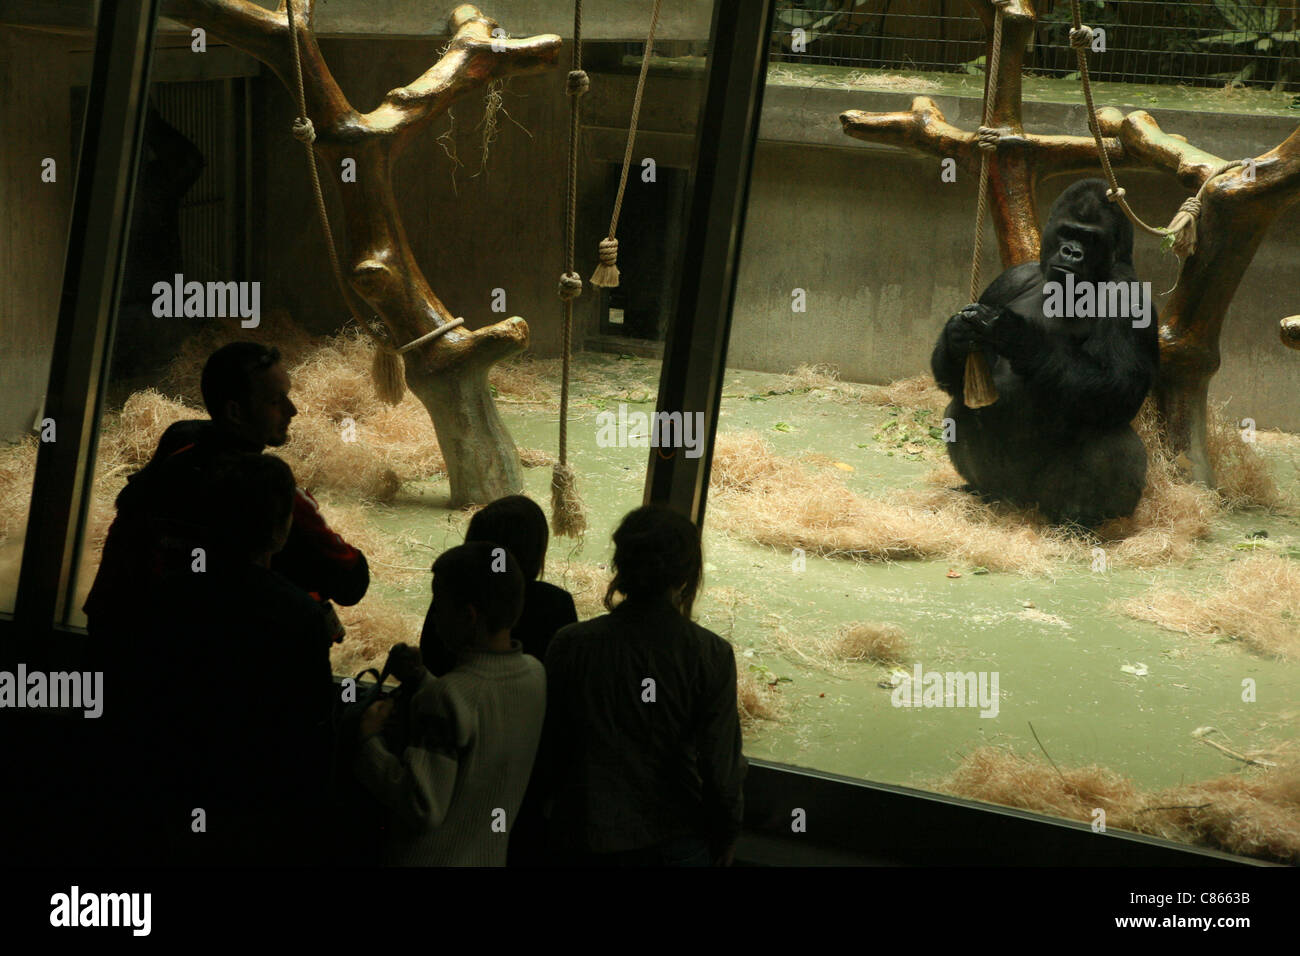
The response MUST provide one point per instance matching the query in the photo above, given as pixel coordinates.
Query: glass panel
(894, 627)
(480, 193)
(38, 170)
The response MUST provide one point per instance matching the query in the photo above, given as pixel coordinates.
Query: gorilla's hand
(1000, 330)
(962, 335)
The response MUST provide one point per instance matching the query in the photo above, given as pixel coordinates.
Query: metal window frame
(101, 215)
(905, 825)
(889, 823)
(695, 347)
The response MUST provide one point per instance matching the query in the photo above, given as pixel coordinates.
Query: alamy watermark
(208, 300)
(950, 689)
(658, 430)
(1098, 300)
(75, 908)
(59, 690)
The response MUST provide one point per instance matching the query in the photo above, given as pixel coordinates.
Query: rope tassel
(606, 274)
(978, 390)
(388, 372)
(1182, 230)
(568, 512)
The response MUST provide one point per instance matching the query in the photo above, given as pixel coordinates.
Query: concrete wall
(881, 247)
(616, 20)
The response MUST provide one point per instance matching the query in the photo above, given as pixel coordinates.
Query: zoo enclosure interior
(291, 185)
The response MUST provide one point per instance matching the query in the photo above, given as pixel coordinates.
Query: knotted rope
(567, 512)
(606, 273)
(978, 389)
(1180, 235)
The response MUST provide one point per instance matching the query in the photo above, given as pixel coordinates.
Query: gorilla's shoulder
(1014, 283)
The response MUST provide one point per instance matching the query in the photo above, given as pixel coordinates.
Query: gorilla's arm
(1100, 380)
(1012, 284)
(948, 361)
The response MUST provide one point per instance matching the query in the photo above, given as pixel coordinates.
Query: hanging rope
(978, 389)
(606, 273)
(567, 517)
(305, 133)
(1180, 236)
(388, 371)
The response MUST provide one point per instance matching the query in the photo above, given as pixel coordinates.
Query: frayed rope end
(568, 514)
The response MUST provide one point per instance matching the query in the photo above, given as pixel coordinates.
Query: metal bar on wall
(244, 158)
(97, 239)
(695, 352)
(230, 175)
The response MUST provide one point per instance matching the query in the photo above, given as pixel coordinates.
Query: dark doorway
(190, 212)
(649, 253)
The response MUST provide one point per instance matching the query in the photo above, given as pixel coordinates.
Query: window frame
(888, 823)
(111, 139)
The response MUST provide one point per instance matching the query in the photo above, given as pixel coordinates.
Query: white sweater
(454, 792)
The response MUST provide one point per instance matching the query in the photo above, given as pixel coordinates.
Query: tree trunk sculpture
(449, 375)
(1237, 209)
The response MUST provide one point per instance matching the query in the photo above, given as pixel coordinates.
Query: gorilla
(1072, 345)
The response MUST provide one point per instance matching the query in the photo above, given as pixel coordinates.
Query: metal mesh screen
(199, 111)
(1192, 42)
(213, 212)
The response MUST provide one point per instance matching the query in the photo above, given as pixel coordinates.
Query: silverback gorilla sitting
(1069, 379)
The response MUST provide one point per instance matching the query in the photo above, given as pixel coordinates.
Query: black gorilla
(1059, 435)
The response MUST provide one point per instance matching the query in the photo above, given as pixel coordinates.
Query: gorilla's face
(1086, 235)
(1084, 250)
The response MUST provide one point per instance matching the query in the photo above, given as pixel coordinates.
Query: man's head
(246, 391)
(478, 592)
(253, 505)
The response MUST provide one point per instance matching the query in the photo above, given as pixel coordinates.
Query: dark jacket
(547, 608)
(242, 713)
(632, 764)
(162, 515)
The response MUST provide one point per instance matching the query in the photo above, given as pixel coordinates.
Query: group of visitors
(517, 734)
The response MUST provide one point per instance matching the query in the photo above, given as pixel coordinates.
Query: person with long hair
(642, 749)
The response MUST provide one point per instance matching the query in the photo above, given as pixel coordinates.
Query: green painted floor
(1063, 673)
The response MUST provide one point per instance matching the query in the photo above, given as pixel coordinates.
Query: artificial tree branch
(924, 127)
(256, 30)
(449, 374)
(265, 36)
(1148, 145)
(1277, 172)
(1022, 159)
(1017, 31)
(470, 61)
(1236, 213)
